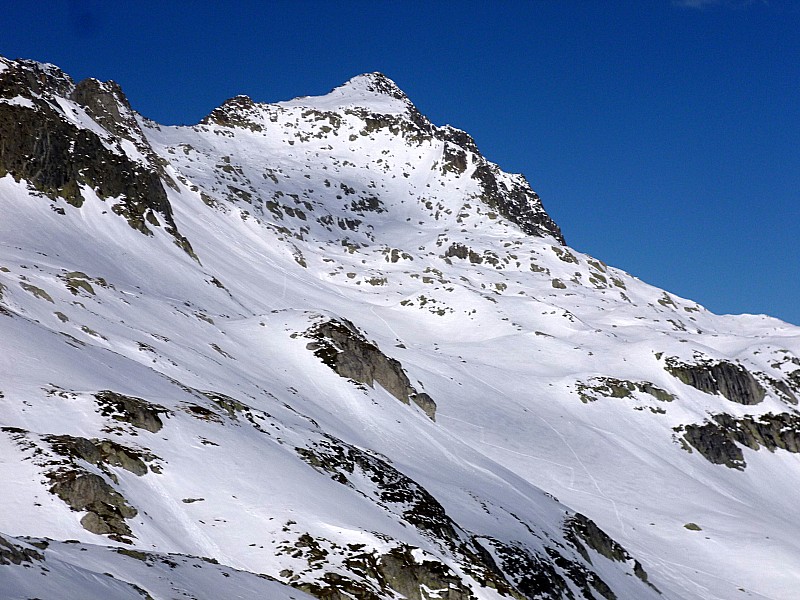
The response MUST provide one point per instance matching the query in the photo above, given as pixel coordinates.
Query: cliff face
(328, 342)
(60, 137)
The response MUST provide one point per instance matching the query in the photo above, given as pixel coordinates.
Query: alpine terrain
(324, 348)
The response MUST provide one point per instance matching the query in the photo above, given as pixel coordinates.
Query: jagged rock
(728, 379)
(580, 529)
(716, 439)
(533, 576)
(516, 201)
(611, 387)
(14, 554)
(714, 444)
(420, 580)
(341, 346)
(396, 573)
(57, 157)
(137, 412)
(238, 111)
(101, 452)
(107, 508)
(410, 500)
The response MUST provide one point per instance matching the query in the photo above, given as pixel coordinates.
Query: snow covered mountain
(324, 348)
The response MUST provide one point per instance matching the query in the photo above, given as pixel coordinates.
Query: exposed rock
(784, 389)
(516, 201)
(460, 138)
(456, 250)
(137, 412)
(56, 157)
(454, 160)
(714, 444)
(580, 529)
(420, 580)
(519, 574)
(341, 346)
(107, 508)
(728, 379)
(15, 554)
(717, 439)
(101, 453)
(611, 387)
(239, 111)
(532, 576)
(400, 493)
(550, 577)
(396, 572)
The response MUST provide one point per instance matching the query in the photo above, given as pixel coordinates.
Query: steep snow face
(348, 352)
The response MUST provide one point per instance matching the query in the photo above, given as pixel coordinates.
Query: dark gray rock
(580, 529)
(107, 508)
(518, 202)
(717, 439)
(56, 157)
(728, 379)
(15, 554)
(712, 442)
(137, 412)
(401, 494)
(341, 346)
(101, 453)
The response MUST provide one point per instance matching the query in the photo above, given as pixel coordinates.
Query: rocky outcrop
(139, 413)
(611, 387)
(719, 439)
(512, 197)
(101, 453)
(580, 529)
(15, 554)
(396, 573)
(341, 346)
(728, 379)
(510, 568)
(56, 157)
(399, 493)
(106, 508)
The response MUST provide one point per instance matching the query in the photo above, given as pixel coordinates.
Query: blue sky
(663, 136)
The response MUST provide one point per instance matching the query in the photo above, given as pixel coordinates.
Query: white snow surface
(307, 214)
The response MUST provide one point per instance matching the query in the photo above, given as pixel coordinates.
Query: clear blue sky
(663, 136)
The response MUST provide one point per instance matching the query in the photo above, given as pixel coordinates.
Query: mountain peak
(374, 83)
(374, 92)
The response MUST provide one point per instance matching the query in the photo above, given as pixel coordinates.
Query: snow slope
(327, 341)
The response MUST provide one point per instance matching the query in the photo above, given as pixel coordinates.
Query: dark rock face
(717, 439)
(393, 573)
(611, 387)
(510, 568)
(413, 579)
(137, 412)
(732, 381)
(107, 509)
(395, 490)
(341, 346)
(100, 453)
(234, 112)
(56, 157)
(551, 576)
(518, 202)
(397, 571)
(14, 554)
(580, 529)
